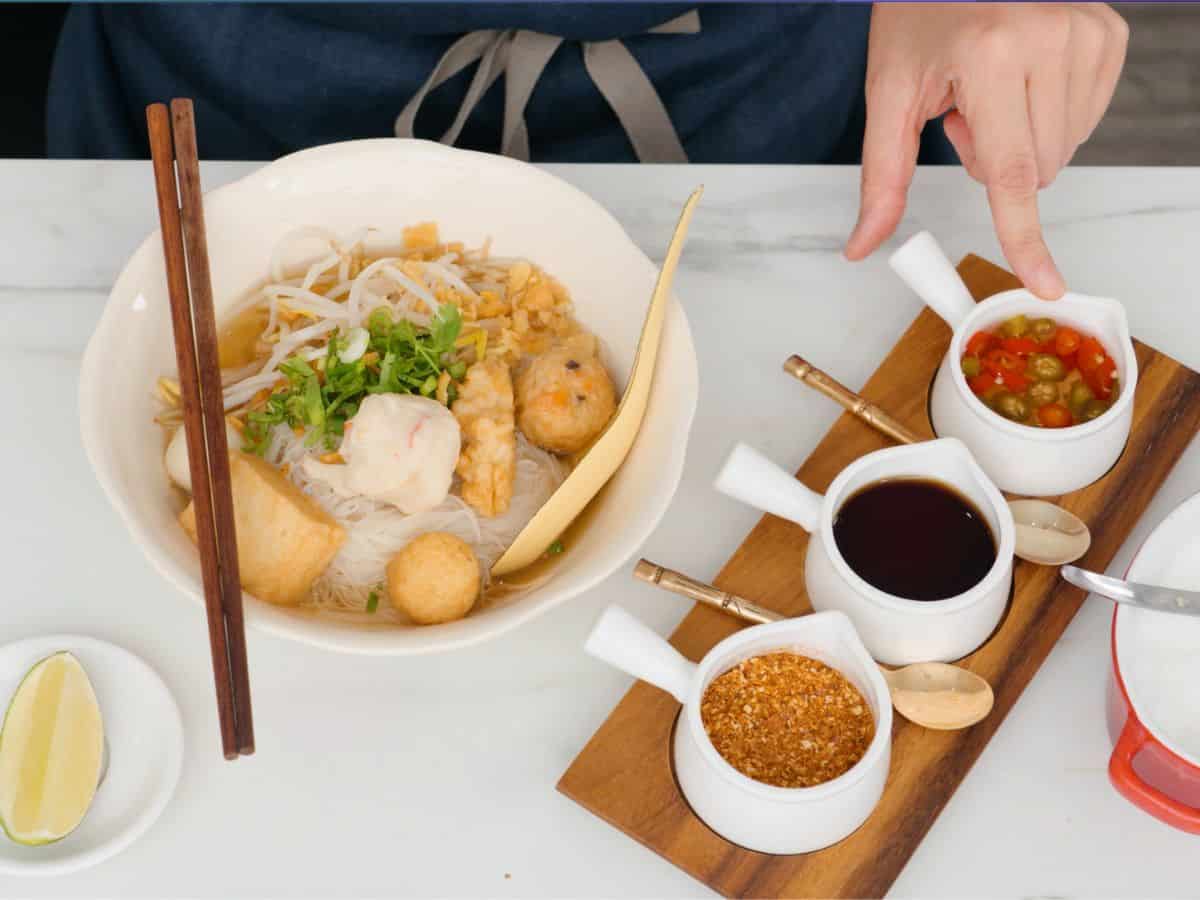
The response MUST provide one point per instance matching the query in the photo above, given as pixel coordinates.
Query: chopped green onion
(372, 601)
(458, 370)
(555, 548)
(314, 404)
(380, 321)
(406, 360)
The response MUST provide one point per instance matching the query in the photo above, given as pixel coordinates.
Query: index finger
(1007, 159)
(890, 144)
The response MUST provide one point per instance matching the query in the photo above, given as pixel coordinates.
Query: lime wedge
(51, 749)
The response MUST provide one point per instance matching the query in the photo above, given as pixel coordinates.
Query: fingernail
(1047, 282)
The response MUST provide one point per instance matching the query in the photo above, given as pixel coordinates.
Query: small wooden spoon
(933, 695)
(1046, 534)
(605, 456)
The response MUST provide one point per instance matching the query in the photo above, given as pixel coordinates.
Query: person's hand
(1025, 83)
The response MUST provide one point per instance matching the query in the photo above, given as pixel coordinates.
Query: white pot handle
(925, 269)
(623, 641)
(752, 478)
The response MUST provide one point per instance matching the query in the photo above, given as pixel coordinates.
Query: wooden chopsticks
(173, 150)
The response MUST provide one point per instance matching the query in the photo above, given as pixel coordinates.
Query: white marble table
(436, 775)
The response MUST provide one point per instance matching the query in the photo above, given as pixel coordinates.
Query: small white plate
(144, 735)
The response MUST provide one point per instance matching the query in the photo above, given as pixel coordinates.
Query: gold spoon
(610, 449)
(1046, 534)
(931, 694)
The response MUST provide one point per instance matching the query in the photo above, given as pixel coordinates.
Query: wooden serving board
(624, 773)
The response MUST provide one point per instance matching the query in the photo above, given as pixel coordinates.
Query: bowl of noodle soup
(314, 245)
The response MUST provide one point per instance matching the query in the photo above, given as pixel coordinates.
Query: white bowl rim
(996, 303)
(379, 641)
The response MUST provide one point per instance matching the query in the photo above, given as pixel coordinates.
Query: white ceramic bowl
(896, 630)
(1019, 458)
(389, 184)
(759, 816)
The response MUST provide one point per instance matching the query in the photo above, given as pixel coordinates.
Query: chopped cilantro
(400, 359)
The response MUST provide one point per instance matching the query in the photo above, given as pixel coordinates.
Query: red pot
(1155, 763)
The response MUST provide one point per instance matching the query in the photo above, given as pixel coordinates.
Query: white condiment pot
(896, 630)
(747, 812)
(1020, 458)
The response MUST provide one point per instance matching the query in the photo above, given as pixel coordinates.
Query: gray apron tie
(521, 56)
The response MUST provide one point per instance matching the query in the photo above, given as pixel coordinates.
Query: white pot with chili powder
(784, 739)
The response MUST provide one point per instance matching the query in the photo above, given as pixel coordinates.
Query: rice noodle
(376, 531)
(306, 300)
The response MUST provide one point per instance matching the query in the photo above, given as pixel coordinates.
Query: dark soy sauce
(914, 538)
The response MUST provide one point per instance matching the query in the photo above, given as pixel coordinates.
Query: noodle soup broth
(341, 348)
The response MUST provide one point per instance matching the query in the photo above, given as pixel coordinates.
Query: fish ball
(435, 578)
(564, 399)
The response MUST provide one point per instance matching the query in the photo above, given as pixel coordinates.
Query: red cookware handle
(1120, 770)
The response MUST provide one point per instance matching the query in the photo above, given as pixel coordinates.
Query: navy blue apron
(555, 82)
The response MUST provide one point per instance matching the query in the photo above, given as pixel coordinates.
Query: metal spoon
(933, 695)
(1046, 534)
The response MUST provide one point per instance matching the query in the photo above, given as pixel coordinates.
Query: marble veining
(435, 775)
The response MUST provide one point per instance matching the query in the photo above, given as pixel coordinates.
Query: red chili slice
(982, 383)
(980, 343)
(1054, 415)
(1100, 380)
(1014, 381)
(1066, 341)
(1090, 356)
(1022, 346)
(1001, 361)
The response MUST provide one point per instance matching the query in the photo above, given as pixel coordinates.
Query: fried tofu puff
(435, 578)
(284, 539)
(565, 398)
(488, 462)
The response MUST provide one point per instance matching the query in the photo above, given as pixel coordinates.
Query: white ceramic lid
(1158, 654)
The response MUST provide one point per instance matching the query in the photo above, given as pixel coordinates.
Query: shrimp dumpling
(399, 449)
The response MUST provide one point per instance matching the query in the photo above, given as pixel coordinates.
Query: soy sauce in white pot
(914, 538)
